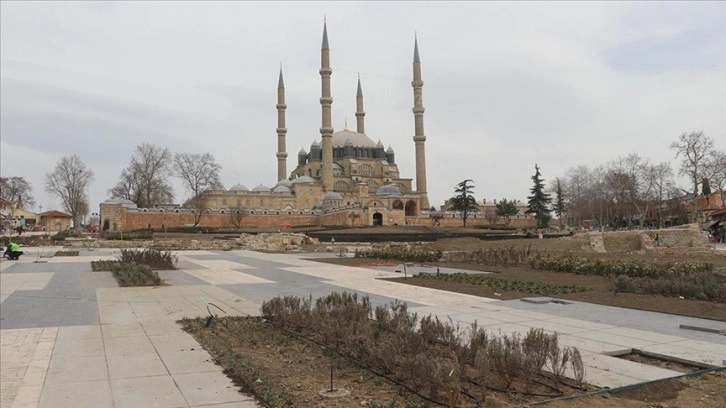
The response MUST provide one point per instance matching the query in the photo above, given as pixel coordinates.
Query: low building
(55, 220)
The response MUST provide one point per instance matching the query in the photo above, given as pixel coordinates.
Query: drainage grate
(642, 357)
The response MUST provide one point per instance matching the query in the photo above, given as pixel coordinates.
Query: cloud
(506, 84)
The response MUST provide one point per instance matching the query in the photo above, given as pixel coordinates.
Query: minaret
(281, 130)
(359, 112)
(326, 131)
(419, 137)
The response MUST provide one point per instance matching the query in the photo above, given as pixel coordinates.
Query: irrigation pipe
(624, 388)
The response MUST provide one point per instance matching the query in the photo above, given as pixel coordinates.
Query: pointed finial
(360, 91)
(345, 127)
(416, 59)
(325, 33)
(280, 82)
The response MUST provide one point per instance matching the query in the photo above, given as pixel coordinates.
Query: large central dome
(356, 139)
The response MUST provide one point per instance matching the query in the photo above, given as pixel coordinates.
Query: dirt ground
(706, 391)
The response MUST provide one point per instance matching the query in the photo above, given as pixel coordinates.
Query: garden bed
(400, 359)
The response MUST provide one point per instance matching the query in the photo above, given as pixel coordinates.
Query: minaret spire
(359, 112)
(326, 101)
(281, 130)
(419, 137)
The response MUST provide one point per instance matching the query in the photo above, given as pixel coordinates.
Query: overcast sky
(507, 85)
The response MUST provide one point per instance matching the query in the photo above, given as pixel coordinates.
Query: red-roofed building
(55, 220)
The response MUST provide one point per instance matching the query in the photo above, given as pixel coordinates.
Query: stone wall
(453, 220)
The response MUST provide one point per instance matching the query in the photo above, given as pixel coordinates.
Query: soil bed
(659, 362)
(599, 289)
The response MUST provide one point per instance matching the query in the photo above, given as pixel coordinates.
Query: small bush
(158, 260)
(131, 274)
(66, 253)
(534, 288)
(129, 236)
(401, 253)
(103, 266)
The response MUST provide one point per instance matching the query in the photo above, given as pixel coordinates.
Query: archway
(411, 208)
(377, 218)
(398, 205)
(106, 225)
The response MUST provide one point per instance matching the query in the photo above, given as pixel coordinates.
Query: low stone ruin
(279, 242)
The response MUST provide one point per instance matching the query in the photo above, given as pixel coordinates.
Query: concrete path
(72, 338)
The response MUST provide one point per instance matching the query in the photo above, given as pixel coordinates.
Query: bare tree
(198, 172)
(717, 171)
(144, 180)
(236, 214)
(17, 192)
(660, 177)
(695, 148)
(69, 181)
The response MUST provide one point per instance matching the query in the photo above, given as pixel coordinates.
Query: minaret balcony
(281, 131)
(281, 106)
(326, 101)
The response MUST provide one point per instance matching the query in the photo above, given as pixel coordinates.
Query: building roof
(332, 196)
(261, 189)
(388, 189)
(355, 138)
(238, 187)
(303, 179)
(55, 214)
(281, 189)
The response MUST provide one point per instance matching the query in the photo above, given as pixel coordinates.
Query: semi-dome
(388, 189)
(261, 189)
(302, 179)
(284, 182)
(281, 189)
(238, 187)
(332, 196)
(356, 139)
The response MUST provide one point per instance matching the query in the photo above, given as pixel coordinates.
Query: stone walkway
(70, 337)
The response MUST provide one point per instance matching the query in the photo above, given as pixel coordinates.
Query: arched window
(372, 186)
(366, 170)
(341, 186)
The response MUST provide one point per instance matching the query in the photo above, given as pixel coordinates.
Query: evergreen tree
(506, 209)
(560, 205)
(539, 201)
(463, 201)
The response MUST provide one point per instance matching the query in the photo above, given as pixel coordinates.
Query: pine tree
(560, 205)
(463, 200)
(539, 201)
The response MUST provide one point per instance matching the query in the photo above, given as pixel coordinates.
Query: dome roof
(281, 189)
(284, 182)
(388, 189)
(332, 196)
(355, 139)
(390, 150)
(238, 187)
(303, 179)
(261, 189)
(302, 152)
(315, 145)
(379, 145)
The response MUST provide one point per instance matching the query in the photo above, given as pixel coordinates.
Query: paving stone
(157, 392)
(208, 388)
(135, 365)
(76, 369)
(188, 361)
(93, 394)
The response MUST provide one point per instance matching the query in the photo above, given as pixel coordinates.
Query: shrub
(129, 236)
(103, 266)
(131, 274)
(428, 355)
(159, 260)
(401, 253)
(66, 253)
(535, 288)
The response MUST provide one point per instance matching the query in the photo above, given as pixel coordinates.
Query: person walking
(657, 239)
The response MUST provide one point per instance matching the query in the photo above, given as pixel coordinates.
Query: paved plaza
(70, 337)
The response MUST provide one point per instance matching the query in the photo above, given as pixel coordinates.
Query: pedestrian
(332, 240)
(657, 239)
(13, 251)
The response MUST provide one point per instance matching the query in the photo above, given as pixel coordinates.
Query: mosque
(346, 168)
(345, 172)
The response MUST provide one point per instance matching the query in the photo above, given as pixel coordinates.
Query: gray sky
(506, 84)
